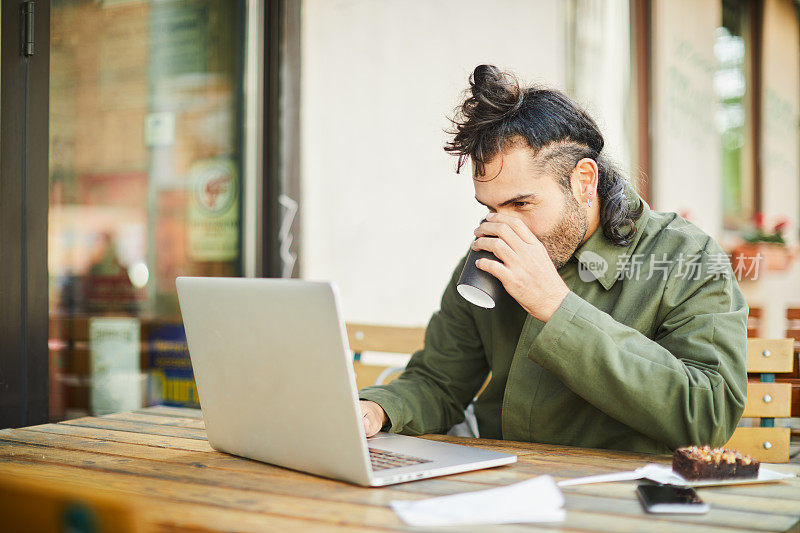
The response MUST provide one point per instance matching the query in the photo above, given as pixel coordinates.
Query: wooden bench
(766, 400)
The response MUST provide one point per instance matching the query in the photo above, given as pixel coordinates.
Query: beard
(562, 241)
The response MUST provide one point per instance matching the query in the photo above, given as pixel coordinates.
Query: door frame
(24, 191)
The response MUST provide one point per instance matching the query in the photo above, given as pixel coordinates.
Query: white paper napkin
(664, 474)
(533, 500)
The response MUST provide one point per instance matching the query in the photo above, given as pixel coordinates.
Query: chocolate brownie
(704, 462)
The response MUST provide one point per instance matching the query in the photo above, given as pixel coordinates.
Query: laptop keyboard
(381, 459)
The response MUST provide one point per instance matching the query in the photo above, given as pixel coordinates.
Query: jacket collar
(600, 258)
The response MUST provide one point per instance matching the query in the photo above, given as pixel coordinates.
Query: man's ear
(584, 180)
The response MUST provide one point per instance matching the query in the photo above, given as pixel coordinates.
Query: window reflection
(144, 187)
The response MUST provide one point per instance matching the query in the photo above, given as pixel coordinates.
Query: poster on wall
(213, 217)
(117, 380)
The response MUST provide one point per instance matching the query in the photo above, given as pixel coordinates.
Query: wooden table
(160, 460)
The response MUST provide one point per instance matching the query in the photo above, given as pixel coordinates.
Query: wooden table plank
(729, 518)
(137, 427)
(165, 410)
(611, 523)
(196, 517)
(543, 450)
(144, 439)
(159, 420)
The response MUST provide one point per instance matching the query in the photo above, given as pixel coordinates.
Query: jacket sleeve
(686, 385)
(440, 379)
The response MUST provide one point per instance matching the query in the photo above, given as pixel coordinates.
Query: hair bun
(483, 76)
(498, 90)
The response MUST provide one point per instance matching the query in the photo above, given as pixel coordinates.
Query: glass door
(144, 181)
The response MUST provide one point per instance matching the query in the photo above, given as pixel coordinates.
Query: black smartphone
(670, 499)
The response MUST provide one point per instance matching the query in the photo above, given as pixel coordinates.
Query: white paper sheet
(664, 474)
(533, 500)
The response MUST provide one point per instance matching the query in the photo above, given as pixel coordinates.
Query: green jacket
(646, 353)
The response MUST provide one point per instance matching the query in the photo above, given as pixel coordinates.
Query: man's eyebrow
(518, 198)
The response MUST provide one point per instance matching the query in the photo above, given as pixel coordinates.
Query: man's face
(534, 196)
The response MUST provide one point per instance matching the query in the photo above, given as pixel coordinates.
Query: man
(623, 327)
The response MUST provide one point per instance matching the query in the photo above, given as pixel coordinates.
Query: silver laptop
(275, 379)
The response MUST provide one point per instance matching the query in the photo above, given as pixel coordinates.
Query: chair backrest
(385, 339)
(766, 400)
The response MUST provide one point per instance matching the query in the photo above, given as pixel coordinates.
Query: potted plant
(761, 249)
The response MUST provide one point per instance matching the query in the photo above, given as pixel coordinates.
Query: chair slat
(768, 400)
(392, 339)
(769, 445)
(770, 355)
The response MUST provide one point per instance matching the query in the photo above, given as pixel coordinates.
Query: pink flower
(781, 225)
(758, 219)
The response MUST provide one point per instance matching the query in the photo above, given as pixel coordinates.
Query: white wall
(686, 170)
(383, 214)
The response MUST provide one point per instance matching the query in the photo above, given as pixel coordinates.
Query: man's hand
(526, 271)
(374, 417)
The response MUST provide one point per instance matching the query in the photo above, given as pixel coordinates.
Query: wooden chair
(392, 339)
(385, 339)
(793, 332)
(766, 400)
(44, 504)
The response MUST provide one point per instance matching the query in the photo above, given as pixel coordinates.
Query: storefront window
(730, 85)
(144, 186)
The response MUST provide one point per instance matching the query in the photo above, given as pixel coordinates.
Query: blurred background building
(143, 140)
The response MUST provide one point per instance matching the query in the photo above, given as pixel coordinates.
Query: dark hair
(497, 113)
